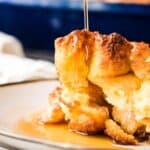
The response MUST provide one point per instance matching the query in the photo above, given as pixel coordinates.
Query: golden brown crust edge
(98, 55)
(115, 132)
(83, 53)
(140, 60)
(110, 57)
(83, 57)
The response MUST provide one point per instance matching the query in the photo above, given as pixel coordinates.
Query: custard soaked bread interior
(101, 76)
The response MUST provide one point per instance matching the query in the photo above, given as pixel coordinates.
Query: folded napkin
(15, 68)
(10, 45)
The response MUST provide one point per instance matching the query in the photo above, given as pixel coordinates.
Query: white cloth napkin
(15, 68)
(10, 45)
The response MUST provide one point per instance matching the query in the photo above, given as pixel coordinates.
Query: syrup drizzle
(86, 15)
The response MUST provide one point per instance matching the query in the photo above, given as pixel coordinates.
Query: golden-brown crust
(89, 62)
(127, 121)
(71, 59)
(115, 132)
(53, 112)
(110, 57)
(88, 119)
(83, 54)
(140, 59)
(85, 118)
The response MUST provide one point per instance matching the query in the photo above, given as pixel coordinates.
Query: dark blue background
(37, 26)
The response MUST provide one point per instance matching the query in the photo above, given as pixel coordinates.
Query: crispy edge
(115, 132)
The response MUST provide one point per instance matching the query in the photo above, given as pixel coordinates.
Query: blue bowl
(38, 24)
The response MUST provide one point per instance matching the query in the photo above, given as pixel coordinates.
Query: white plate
(17, 101)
